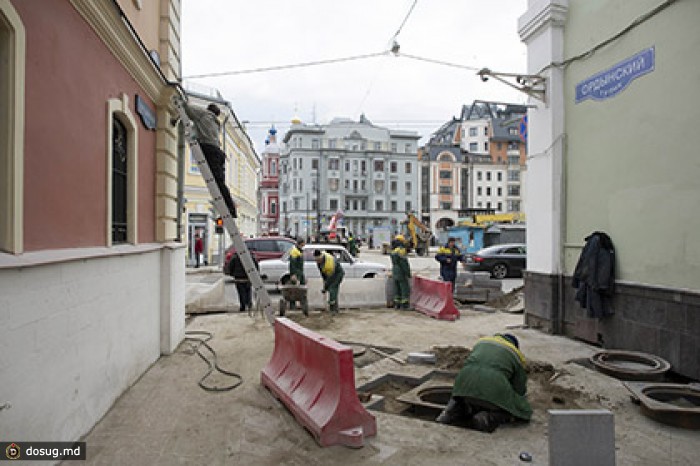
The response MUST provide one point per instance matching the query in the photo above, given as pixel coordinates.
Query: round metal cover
(630, 365)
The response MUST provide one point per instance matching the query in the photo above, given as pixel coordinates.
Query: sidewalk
(166, 418)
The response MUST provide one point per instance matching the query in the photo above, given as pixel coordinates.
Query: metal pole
(318, 195)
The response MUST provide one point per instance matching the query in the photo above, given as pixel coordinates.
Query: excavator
(417, 234)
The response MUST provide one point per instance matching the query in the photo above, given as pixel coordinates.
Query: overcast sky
(397, 92)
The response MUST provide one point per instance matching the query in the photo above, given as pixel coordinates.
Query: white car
(274, 271)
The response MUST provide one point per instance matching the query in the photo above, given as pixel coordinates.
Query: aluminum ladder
(262, 297)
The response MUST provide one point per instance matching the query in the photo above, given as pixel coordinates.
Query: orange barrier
(433, 298)
(314, 378)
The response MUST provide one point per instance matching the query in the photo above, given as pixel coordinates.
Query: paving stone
(581, 437)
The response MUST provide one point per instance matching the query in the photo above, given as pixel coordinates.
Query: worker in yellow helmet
(332, 274)
(401, 273)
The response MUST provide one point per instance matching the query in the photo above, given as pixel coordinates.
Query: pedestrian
(449, 256)
(198, 249)
(242, 281)
(206, 123)
(352, 245)
(490, 389)
(401, 273)
(332, 274)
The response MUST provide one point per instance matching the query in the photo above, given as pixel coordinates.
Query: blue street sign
(523, 129)
(610, 82)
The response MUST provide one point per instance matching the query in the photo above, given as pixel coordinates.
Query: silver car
(275, 271)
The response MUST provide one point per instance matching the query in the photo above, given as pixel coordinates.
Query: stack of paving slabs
(476, 287)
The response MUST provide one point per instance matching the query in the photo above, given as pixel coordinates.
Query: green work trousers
(402, 290)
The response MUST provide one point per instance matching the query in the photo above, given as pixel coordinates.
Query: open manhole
(630, 365)
(674, 404)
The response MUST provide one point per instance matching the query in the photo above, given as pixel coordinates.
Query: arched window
(12, 59)
(122, 172)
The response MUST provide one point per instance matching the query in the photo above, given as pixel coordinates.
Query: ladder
(262, 297)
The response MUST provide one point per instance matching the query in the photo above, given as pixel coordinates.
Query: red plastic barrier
(314, 377)
(433, 298)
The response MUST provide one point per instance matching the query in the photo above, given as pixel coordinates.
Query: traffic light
(219, 225)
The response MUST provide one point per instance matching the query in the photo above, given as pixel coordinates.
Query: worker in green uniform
(401, 273)
(332, 274)
(296, 271)
(490, 388)
(352, 245)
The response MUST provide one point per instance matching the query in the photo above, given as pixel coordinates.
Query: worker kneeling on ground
(332, 274)
(490, 388)
(401, 273)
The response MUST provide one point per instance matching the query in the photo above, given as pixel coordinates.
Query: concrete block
(355, 293)
(203, 297)
(581, 437)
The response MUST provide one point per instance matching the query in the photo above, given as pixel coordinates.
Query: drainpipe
(180, 179)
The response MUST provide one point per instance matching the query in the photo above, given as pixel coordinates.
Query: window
(333, 204)
(499, 191)
(332, 143)
(294, 163)
(379, 206)
(347, 184)
(393, 147)
(294, 185)
(314, 164)
(363, 185)
(488, 190)
(488, 205)
(513, 206)
(315, 144)
(486, 130)
(473, 147)
(408, 187)
(377, 146)
(122, 157)
(409, 167)
(273, 167)
(394, 206)
(488, 176)
(333, 164)
(408, 206)
(284, 207)
(513, 175)
(446, 205)
(478, 191)
(445, 174)
(354, 185)
(273, 208)
(363, 205)
(301, 164)
(499, 176)
(394, 187)
(445, 189)
(296, 204)
(478, 176)
(119, 182)
(514, 190)
(407, 148)
(347, 165)
(486, 147)
(500, 207)
(378, 186)
(499, 145)
(513, 131)
(514, 160)
(378, 165)
(473, 131)
(363, 166)
(333, 184)
(393, 167)
(354, 204)
(513, 146)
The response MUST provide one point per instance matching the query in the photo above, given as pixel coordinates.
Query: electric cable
(590, 52)
(403, 23)
(290, 66)
(213, 364)
(438, 62)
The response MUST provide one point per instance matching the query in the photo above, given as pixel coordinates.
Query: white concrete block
(581, 437)
(354, 293)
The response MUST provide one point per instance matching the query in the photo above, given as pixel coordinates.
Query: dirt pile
(450, 358)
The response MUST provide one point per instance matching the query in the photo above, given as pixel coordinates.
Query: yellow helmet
(399, 238)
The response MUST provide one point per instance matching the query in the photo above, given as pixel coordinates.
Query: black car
(501, 261)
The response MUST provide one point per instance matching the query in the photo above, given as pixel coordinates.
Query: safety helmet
(399, 238)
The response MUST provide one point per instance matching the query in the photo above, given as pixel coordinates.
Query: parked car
(262, 249)
(501, 261)
(277, 271)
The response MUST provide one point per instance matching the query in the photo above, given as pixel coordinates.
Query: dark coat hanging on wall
(594, 276)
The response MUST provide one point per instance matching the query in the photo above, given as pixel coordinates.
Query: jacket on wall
(594, 276)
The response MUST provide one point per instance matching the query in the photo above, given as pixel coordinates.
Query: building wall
(644, 132)
(59, 115)
(622, 165)
(71, 344)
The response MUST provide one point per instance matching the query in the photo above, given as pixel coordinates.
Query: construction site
(167, 418)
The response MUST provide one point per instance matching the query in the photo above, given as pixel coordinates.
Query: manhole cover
(674, 404)
(630, 365)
